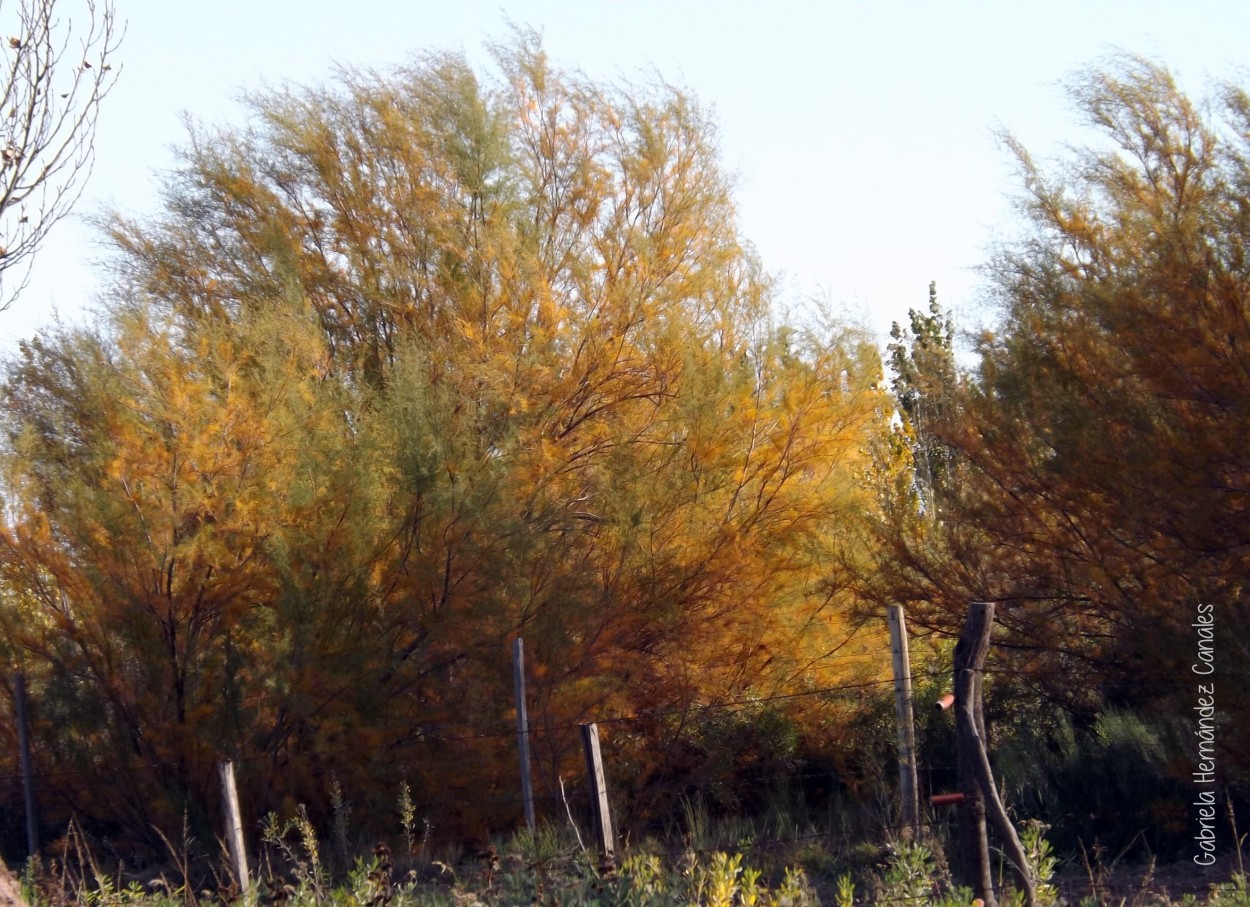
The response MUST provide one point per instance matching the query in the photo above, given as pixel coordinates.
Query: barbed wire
(429, 734)
(652, 714)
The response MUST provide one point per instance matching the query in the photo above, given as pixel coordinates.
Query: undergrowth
(714, 864)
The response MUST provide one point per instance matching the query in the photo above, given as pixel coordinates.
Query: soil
(1146, 884)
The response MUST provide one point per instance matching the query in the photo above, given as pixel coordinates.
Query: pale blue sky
(862, 133)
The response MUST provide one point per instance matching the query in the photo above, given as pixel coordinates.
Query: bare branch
(55, 76)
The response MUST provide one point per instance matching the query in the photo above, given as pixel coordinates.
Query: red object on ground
(946, 799)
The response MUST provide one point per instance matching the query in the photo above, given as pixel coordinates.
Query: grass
(770, 862)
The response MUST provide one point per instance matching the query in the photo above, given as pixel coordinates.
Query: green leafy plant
(1233, 893)
(908, 877)
(845, 890)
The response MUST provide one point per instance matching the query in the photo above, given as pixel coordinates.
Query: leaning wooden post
(973, 851)
(599, 794)
(523, 730)
(995, 812)
(974, 760)
(28, 780)
(234, 824)
(906, 724)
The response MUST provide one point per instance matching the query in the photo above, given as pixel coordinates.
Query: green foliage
(908, 877)
(922, 361)
(1111, 784)
(1234, 892)
(718, 879)
(845, 891)
(1042, 861)
(549, 868)
(734, 761)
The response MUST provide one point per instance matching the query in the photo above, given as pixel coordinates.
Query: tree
(924, 373)
(51, 89)
(415, 364)
(167, 482)
(1100, 449)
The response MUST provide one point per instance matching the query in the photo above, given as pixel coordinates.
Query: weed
(908, 878)
(1042, 861)
(1232, 893)
(408, 816)
(845, 890)
(342, 813)
(306, 866)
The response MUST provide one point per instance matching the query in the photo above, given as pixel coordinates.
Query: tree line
(424, 360)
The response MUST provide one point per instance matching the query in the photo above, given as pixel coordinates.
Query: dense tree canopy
(419, 362)
(415, 364)
(1098, 464)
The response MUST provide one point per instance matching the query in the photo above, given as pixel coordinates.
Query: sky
(863, 135)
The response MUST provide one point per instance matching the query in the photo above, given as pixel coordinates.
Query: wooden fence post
(906, 723)
(976, 780)
(523, 730)
(598, 794)
(234, 824)
(28, 779)
(973, 852)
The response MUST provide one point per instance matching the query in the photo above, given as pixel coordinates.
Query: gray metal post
(28, 781)
(523, 730)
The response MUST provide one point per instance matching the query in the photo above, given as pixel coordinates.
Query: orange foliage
(411, 368)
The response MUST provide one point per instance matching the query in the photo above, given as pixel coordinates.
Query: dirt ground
(1139, 885)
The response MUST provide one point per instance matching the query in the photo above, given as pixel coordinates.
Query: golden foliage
(413, 366)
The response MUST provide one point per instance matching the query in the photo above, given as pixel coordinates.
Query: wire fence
(571, 802)
(450, 732)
